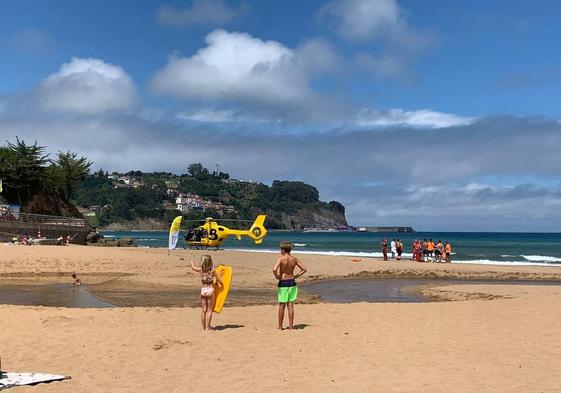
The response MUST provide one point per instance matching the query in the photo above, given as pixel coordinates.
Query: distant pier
(387, 229)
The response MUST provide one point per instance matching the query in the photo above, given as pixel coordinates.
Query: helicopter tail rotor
(258, 231)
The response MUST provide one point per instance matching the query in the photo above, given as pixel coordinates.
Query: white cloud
(361, 20)
(422, 118)
(219, 116)
(241, 69)
(383, 22)
(87, 86)
(201, 12)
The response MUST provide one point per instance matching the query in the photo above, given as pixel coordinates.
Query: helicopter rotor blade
(232, 220)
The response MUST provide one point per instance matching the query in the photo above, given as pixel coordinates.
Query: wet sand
(501, 338)
(150, 277)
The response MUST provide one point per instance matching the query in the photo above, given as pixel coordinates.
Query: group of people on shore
(26, 239)
(422, 251)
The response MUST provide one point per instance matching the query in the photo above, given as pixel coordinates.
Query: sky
(441, 115)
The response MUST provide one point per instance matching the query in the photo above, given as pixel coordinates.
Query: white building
(189, 202)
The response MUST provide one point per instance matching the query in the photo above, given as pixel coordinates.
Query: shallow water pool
(50, 295)
(395, 290)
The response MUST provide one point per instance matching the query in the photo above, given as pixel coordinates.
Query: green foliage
(196, 170)
(27, 171)
(23, 170)
(336, 207)
(67, 171)
(123, 204)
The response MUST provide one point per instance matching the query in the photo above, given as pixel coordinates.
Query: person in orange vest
(430, 248)
(448, 251)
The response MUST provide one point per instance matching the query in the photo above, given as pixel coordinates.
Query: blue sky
(449, 103)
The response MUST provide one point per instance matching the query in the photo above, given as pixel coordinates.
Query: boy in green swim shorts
(287, 289)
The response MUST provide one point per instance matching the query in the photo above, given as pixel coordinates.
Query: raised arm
(302, 268)
(195, 268)
(276, 269)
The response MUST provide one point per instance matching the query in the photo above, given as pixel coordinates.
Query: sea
(490, 248)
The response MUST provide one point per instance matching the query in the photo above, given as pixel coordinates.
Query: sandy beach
(496, 339)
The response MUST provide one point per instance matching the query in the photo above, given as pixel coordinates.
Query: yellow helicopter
(212, 234)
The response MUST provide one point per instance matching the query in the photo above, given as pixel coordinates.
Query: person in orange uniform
(448, 251)
(430, 248)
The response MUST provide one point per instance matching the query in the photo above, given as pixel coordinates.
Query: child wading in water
(207, 290)
(287, 290)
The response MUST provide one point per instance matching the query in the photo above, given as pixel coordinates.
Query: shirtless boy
(287, 290)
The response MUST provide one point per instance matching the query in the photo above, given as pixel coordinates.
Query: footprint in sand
(166, 344)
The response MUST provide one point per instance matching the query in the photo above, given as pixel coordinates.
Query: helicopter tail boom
(257, 231)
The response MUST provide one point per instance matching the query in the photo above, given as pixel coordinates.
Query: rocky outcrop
(309, 218)
(95, 238)
(50, 205)
(110, 242)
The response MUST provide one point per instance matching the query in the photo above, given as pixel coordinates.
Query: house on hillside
(189, 202)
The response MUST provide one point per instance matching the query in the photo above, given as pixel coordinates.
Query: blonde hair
(286, 246)
(206, 263)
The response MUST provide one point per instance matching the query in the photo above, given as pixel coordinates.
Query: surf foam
(407, 256)
(540, 258)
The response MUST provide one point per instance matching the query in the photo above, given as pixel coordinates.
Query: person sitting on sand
(77, 280)
(207, 290)
(287, 290)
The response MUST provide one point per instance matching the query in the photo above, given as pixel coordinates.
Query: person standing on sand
(414, 250)
(439, 251)
(399, 248)
(384, 245)
(287, 289)
(393, 249)
(430, 248)
(208, 274)
(448, 251)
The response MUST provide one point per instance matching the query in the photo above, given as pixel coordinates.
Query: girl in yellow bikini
(207, 289)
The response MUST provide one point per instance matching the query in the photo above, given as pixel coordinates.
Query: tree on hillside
(69, 171)
(197, 170)
(23, 169)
